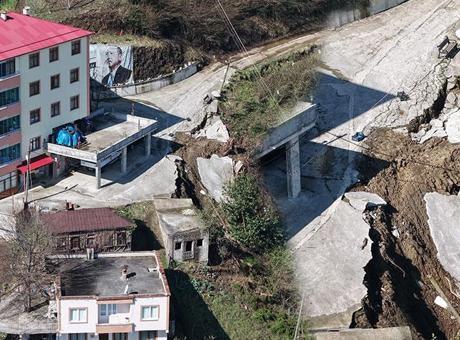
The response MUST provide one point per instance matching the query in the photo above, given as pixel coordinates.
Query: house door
(103, 337)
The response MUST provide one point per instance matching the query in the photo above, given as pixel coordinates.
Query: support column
(148, 144)
(293, 167)
(98, 170)
(124, 160)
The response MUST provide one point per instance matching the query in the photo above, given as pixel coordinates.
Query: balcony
(10, 81)
(114, 328)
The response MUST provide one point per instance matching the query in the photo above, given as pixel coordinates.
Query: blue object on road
(358, 136)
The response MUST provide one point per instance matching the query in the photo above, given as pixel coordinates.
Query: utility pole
(26, 197)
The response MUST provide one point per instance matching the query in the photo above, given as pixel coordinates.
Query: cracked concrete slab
(330, 264)
(215, 129)
(215, 173)
(443, 216)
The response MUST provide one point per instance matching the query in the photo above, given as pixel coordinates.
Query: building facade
(125, 297)
(99, 229)
(44, 84)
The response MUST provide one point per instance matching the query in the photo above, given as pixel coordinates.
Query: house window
(54, 81)
(35, 143)
(79, 315)
(188, 246)
(34, 116)
(147, 335)
(199, 243)
(74, 75)
(55, 109)
(75, 242)
(54, 54)
(7, 68)
(9, 97)
(8, 181)
(76, 47)
(34, 88)
(74, 102)
(120, 238)
(61, 243)
(34, 60)
(107, 310)
(78, 336)
(178, 245)
(9, 125)
(10, 154)
(120, 336)
(150, 313)
(90, 241)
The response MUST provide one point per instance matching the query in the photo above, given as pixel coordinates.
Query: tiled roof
(21, 34)
(84, 220)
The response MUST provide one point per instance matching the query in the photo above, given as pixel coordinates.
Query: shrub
(253, 221)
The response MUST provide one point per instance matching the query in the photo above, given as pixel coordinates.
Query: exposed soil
(398, 277)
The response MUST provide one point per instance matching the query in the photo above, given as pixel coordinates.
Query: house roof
(21, 34)
(69, 221)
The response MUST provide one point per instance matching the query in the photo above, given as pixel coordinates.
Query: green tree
(253, 221)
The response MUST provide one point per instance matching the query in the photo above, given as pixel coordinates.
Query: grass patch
(8, 5)
(259, 97)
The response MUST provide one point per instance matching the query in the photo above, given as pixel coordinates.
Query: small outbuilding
(185, 237)
(101, 229)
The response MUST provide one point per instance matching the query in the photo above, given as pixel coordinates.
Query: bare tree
(24, 257)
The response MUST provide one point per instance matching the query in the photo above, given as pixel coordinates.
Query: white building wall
(68, 327)
(66, 62)
(161, 324)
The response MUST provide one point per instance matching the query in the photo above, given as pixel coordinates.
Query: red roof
(21, 34)
(83, 220)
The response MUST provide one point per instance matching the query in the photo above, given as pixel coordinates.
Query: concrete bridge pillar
(98, 170)
(148, 144)
(124, 160)
(293, 167)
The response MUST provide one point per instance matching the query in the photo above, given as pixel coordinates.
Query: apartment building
(116, 296)
(44, 84)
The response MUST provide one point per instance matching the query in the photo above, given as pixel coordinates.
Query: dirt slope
(399, 278)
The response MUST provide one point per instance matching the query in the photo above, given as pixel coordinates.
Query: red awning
(36, 163)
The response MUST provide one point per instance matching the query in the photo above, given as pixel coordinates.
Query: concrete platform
(391, 333)
(114, 131)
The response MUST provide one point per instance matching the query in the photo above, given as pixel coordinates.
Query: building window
(55, 109)
(9, 97)
(74, 75)
(178, 245)
(35, 143)
(108, 309)
(8, 181)
(120, 336)
(148, 335)
(90, 241)
(34, 116)
(199, 243)
(188, 246)
(78, 336)
(150, 313)
(61, 243)
(9, 125)
(54, 81)
(120, 238)
(74, 102)
(76, 47)
(54, 54)
(34, 60)
(79, 315)
(10, 153)
(7, 68)
(34, 88)
(75, 242)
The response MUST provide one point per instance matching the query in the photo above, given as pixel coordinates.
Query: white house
(44, 84)
(116, 296)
